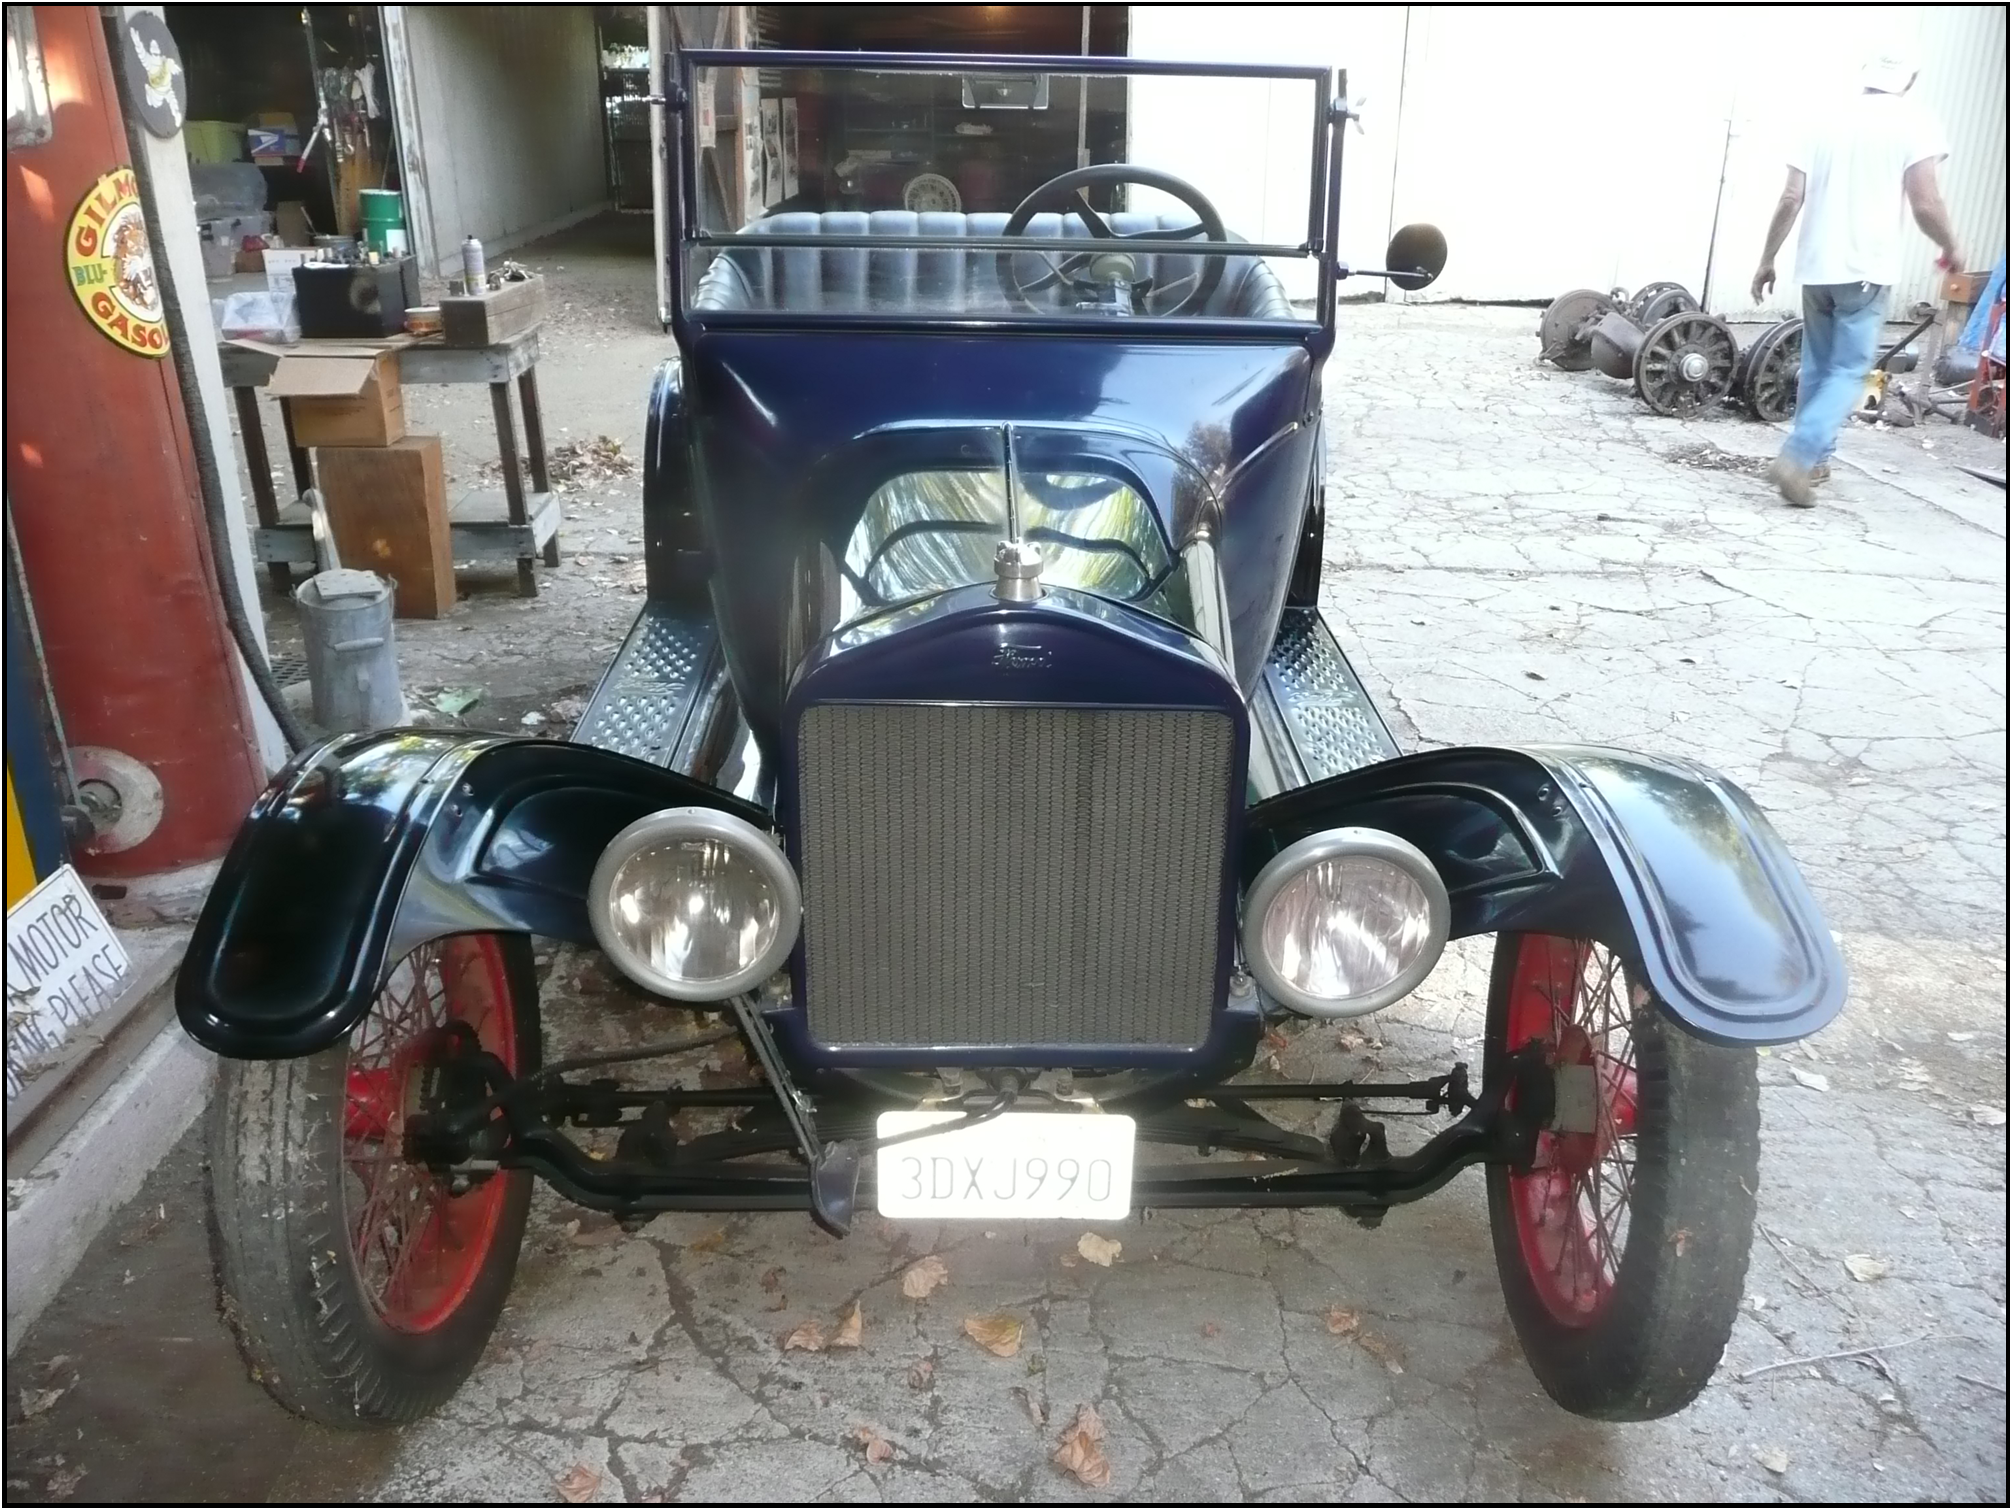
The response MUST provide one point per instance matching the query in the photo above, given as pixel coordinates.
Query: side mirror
(1416, 256)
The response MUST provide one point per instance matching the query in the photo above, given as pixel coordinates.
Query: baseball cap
(1891, 72)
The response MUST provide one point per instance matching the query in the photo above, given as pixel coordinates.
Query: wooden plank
(388, 508)
(428, 362)
(479, 529)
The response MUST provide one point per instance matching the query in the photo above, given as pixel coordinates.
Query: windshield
(944, 498)
(928, 188)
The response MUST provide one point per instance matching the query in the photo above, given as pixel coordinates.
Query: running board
(1310, 708)
(655, 701)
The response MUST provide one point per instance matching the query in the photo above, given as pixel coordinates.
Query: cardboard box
(342, 396)
(388, 508)
(295, 229)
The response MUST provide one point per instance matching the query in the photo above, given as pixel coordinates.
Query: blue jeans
(1840, 338)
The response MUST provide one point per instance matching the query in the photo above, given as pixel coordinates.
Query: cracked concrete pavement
(1514, 554)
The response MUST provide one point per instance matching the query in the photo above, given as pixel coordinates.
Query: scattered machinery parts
(1680, 365)
(1566, 331)
(1656, 302)
(1766, 380)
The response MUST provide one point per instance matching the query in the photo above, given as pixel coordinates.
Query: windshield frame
(686, 232)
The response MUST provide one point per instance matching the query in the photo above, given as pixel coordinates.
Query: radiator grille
(1011, 875)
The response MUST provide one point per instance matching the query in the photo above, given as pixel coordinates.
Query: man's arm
(1785, 211)
(1924, 198)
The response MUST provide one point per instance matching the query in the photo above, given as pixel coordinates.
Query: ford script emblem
(1023, 658)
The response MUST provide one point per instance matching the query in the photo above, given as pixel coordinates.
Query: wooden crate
(492, 318)
(388, 508)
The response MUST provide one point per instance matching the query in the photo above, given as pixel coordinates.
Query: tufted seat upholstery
(914, 280)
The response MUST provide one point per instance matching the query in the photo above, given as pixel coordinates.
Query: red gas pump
(103, 490)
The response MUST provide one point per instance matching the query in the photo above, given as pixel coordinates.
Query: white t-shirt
(1854, 209)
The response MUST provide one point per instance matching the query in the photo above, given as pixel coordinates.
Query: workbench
(485, 524)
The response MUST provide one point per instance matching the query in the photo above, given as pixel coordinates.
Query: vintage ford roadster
(980, 759)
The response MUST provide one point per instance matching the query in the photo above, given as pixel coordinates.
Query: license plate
(1020, 1164)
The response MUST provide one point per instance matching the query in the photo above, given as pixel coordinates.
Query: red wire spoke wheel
(419, 1248)
(308, 1162)
(1622, 1245)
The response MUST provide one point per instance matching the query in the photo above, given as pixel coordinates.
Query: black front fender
(1664, 860)
(369, 845)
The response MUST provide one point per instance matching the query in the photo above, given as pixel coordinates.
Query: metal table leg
(534, 439)
(259, 463)
(513, 484)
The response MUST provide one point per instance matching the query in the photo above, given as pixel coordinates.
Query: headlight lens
(694, 903)
(1345, 922)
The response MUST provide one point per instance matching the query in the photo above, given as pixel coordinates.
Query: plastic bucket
(383, 212)
(352, 664)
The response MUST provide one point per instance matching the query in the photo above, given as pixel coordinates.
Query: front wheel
(361, 1287)
(1622, 1249)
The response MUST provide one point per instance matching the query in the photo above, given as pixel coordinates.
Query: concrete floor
(1515, 554)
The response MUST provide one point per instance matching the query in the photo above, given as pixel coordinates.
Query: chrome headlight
(1345, 922)
(695, 904)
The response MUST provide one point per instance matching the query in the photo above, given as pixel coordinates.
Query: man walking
(1875, 158)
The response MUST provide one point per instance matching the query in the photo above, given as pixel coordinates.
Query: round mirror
(1416, 256)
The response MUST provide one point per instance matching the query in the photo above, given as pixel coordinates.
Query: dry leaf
(772, 1280)
(850, 1326)
(921, 1372)
(808, 1338)
(1385, 1353)
(578, 1484)
(780, 1303)
(1680, 1239)
(1773, 1459)
(1864, 1268)
(1810, 1080)
(63, 1482)
(1341, 1322)
(707, 1242)
(35, 1401)
(1036, 1411)
(1098, 1250)
(1987, 1116)
(1210, 1329)
(596, 1237)
(920, 1279)
(999, 1335)
(877, 1448)
(1081, 1452)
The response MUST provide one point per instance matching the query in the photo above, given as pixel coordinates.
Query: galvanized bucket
(352, 664)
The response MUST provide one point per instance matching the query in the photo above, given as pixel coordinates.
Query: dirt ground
(1514, 554)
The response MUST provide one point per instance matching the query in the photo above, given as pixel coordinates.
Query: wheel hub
(1692, 366)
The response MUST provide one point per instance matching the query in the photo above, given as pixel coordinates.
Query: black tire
(1660, 1321)
(292, 1285)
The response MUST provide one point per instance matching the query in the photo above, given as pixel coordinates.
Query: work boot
(1792, 482)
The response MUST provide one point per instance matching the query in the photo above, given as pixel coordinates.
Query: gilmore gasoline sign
(64, 967)
(111, 265)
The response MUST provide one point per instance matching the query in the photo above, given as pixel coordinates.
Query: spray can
(474, 271)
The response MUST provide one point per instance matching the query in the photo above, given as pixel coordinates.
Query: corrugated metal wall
(508, 107)
(1963, 83)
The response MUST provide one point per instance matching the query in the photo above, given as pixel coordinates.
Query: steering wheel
(1092, 272)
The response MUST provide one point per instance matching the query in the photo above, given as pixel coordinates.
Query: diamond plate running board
(1312, 710)
(646, 702)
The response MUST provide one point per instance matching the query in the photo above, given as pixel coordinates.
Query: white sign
(707, 113)
(1022, 1164)
(64, 967)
